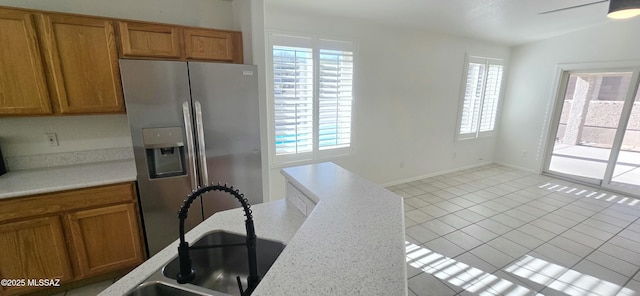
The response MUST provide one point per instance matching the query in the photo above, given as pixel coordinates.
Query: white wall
(25, 135)
(530, 87)
(407, 92)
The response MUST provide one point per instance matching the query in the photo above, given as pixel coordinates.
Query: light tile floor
(495, 230)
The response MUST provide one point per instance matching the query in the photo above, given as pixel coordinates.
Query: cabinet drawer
(52, 203)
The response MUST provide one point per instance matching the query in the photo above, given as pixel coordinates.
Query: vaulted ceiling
(510, 22)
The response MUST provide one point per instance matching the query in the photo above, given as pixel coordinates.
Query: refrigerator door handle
(188, 129)
(202, 156)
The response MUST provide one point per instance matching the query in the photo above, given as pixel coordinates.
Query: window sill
(281, 165)
(483, 137)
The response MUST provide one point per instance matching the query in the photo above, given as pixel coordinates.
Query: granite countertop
(45, 180)
(351, 244)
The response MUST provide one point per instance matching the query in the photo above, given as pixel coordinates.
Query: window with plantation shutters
(479, 105)
(335, 80)
(293, 99)
(312, 98)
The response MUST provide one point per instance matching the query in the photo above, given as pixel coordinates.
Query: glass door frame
(561, 83)
(625, 116)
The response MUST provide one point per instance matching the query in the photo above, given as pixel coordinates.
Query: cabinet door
(83, 63)
(149, 40)
(104, 239)
(33, 249)
(23, 88)
(201, 44)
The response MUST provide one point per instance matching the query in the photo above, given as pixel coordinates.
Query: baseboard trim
(436, 174)
(516, 167)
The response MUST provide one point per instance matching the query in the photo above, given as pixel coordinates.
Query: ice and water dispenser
(165, 151)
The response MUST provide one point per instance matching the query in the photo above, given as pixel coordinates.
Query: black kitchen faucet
(186, 273)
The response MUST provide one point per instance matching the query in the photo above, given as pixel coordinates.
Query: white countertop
(351, 244)
(45, 180)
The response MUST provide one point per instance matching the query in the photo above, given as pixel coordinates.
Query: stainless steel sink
(216, 269)
(161, 289)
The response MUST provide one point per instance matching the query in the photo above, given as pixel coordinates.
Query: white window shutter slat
(491, 98)
(336, 81)
(293, 99)
(481, 97)
(312, 97)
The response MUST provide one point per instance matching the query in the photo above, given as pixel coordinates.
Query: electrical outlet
(52, 139)
(524, 153)
(402, 164)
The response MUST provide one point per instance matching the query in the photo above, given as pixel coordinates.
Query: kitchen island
(344, 236)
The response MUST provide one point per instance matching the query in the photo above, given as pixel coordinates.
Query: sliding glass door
(597, 129)
(626, 169)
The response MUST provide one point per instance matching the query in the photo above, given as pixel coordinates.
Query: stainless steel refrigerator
(191, 123)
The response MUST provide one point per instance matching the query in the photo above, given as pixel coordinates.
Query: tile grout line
(574, 202)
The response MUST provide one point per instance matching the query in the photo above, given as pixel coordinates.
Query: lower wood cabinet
(104, 239)
(71, 235)
(32, 249)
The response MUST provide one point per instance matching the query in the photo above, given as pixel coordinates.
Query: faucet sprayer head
(187, 274)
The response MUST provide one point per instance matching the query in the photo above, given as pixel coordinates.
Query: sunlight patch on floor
(460, 274)
(563, 279)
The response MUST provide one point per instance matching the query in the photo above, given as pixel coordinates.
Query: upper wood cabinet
(150, 40)
(83, 63)
(23, 88)
(56, 63)
(201, 44)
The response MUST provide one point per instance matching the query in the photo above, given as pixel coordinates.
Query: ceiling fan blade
(572, 7)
